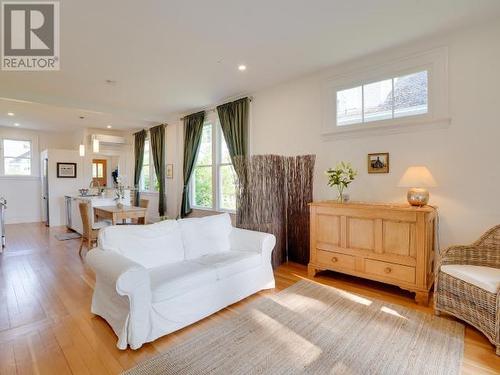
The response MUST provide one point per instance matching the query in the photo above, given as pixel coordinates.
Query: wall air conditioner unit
(109, 139)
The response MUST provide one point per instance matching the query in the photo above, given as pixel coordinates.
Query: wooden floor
(46, 326)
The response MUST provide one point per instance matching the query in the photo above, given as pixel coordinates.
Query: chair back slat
(87, 223)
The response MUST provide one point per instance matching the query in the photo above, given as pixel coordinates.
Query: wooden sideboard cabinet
(391, 243)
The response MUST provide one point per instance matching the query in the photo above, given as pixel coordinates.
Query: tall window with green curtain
(213, 184)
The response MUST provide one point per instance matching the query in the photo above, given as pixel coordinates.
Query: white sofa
(154, 279)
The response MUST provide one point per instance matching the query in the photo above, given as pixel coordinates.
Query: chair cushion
(151, 245)
(173, 280)
(486, 278)
(206, 235)
(231, 262)
(101, 224)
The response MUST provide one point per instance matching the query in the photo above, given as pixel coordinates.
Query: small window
(149, 181)
(17, 157)
(203, 172)
(388, 99)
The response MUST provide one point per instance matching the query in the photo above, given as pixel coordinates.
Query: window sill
(384, 128)
(220, 211)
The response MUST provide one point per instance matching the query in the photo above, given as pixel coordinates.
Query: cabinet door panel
(328, 229)
(399, 238)
(360, 233)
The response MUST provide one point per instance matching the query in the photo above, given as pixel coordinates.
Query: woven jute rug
(311, 328)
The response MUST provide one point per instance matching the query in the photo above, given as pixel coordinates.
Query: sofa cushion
(173, 280)
(229, 263)
(149, 245)
(486, 278)
(206, 235)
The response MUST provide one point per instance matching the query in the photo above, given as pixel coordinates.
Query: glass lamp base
(418, 196)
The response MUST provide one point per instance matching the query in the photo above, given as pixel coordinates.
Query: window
(213, 183)
(17, 157)
(149, 181)
(388, 99)
(405, 94)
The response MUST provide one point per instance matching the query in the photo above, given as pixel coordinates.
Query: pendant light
(82, 150)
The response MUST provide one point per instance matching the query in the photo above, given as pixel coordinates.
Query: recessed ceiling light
(242, 68)
(16, 124)
(10, 113)
(109, 126)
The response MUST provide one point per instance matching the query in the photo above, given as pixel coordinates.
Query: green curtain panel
(139, 139)
(233, 119)
(157, 135)
(193, 128)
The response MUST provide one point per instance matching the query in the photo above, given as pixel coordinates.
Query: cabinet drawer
(390, 270)
(336, 260)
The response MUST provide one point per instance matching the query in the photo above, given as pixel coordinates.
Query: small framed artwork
(170, 171)
(378, 163)
(66, 170)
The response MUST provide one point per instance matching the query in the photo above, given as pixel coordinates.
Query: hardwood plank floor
(46, 326)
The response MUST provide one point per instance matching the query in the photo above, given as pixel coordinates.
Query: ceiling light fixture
(109, 126)
(16, 124)
(10, 113)
(242, 68)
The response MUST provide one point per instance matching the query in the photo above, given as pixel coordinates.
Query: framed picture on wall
(170, 171)
(378, 163)
(66, 170)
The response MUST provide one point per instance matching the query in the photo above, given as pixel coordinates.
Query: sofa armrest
(114, 269)
(249, 240)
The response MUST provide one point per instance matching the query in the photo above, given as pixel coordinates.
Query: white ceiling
(170, 57)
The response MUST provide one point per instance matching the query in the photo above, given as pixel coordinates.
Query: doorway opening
(99, 173)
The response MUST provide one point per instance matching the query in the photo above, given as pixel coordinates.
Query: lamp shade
(417, 177)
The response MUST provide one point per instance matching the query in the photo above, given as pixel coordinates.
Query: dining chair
(90, 229)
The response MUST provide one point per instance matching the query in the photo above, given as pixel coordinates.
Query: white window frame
(152, 173)
(2, 157)
(216, 166)
(435, 62)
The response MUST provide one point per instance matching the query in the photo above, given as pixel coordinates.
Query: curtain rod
(214, 108)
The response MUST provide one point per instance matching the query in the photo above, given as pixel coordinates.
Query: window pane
(100, 172)
(146, 153)
(410, 94)
(228, 187)
(205, 151)
(225, 157)
(17, 166)
(145, 178)
(378, 100)
(16, 149)
(202, 187)
(94, 170)
(349, 103)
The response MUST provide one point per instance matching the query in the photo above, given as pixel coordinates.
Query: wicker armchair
(466, 301)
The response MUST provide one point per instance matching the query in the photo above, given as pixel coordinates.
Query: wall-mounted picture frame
(66, 170)
(378, 162)
(170, 171)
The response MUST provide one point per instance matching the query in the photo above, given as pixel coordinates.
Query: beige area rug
(311, 328)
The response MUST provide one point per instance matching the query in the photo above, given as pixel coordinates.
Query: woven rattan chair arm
(471, 255)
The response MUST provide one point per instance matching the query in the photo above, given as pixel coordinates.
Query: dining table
(119, 214)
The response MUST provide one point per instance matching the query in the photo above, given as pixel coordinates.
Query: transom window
(388, 99)
(17, 157)
(149, 181)
(213, 183)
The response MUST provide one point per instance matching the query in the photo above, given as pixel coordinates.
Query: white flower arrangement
(340, 177)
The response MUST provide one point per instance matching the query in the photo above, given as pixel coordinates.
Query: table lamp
(417, 179)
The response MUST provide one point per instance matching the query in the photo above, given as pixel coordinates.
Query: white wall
(463, 158)
(23, 194)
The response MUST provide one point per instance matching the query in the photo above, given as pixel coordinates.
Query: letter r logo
(28, 29)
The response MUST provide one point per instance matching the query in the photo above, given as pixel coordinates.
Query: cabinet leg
(422, 298)
(312, 271)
